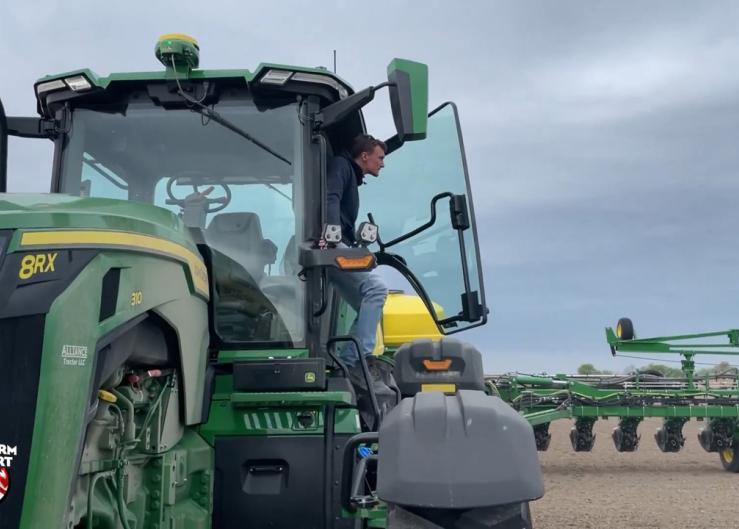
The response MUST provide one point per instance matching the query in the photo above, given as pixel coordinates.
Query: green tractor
(168, 336)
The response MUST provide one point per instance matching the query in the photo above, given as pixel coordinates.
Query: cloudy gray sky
(600, 138)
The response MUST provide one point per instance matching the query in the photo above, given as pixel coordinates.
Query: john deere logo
(310, 377)
(4, 482)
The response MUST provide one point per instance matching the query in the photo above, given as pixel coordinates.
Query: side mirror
(408, 84)
(23, 128)
(409, 98)
(3, 150)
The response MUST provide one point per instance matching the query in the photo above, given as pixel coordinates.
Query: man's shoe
(356, 377)
(383, 385)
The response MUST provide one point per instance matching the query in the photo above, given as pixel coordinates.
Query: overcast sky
(600, 138)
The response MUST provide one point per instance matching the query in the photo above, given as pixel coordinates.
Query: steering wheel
(212, 204)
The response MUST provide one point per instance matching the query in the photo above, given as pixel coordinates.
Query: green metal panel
(63, 397)
(188, 475)
(655, 411)
(226, 357)
(540, 404)
(659, 343)
(687, 347)
(347, 421)
(296, 398)
(545, 416)
(64, 384)
(224, 386)
(539, 381)
(227, 420)
(275, 413)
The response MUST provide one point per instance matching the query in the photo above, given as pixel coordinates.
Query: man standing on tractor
(364, 291)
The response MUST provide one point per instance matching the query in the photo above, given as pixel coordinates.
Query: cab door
(422, 203)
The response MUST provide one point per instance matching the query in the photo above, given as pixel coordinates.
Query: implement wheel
(730, 459)
(625, 329)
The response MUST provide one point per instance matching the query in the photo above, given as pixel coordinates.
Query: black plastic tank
(462, 451)
(446, 365)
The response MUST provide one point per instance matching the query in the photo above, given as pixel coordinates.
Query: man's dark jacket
(343, 178)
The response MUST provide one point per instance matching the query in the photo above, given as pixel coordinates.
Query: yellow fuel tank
(404, 319)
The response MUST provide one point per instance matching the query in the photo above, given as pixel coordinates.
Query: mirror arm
(337, 111)
(393, 144)
(32, 127)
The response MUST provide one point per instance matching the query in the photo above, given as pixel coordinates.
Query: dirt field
(646, 489)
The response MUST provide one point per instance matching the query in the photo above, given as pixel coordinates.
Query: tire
(625, 329)
(729, 459)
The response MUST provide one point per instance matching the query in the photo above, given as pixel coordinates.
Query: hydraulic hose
(130, 433)
(90, 490)
(153, 407)
(122, 510)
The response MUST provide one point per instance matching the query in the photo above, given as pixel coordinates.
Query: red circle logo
(4, 482)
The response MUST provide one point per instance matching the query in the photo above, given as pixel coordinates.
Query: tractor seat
(289, 264)
(239, 236)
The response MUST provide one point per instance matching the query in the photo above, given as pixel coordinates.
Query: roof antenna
(334, 61)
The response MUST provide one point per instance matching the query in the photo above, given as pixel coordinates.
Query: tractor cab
(186, 208)
(239, 158)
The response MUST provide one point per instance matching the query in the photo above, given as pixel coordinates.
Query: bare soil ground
(646, 489)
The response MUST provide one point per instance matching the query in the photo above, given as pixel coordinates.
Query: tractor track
(647, 489)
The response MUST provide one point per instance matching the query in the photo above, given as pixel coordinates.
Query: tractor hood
(67, 211)
(57, 221)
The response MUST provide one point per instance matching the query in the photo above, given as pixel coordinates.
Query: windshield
(244, 197)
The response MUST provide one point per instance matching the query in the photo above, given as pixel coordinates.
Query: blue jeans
(366, 293)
